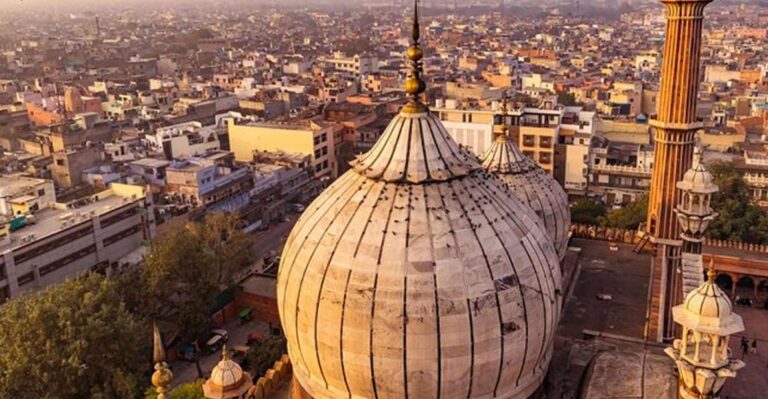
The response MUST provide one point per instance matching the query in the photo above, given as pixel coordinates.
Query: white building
(22, 195)
(68, 239)
(184, 140)
(357, 64)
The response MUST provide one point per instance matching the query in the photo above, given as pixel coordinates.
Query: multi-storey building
(310, 136)
(184, 140)
(357, 64)
(20, 195)
(68, 165)
(619, 172)
(212, 181)
(754, 166)
(66, 239)
(536, 131)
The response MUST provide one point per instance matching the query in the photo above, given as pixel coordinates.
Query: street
(273, 239)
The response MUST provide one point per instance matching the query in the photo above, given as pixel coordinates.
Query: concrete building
(754, 166)
(184, 140)
(311, 137)
(152, 170)
(536, 131)
(90, 234)
(21, 195)
(69, 164)
(212, 181)
(357, 64)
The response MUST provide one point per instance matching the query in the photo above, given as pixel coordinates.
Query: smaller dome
(708, 301)
(533, 186)
(708, 309)
(698, 179)
(227, 379)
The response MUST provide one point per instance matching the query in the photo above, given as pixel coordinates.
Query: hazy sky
(94, 5)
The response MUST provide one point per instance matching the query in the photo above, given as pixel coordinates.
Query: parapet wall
(272, 380)
(630, 236)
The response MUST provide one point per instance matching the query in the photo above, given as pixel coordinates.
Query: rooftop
(12, 185)
(62, 216)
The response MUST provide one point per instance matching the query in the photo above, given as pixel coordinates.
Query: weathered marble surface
(533, 186)
(418, 274)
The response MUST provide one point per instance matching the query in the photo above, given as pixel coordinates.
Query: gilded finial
(224, 352)
(711, 271)
(502, 136)
(415, 85)
(162, 378)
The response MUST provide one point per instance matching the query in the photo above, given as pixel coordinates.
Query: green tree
(188, 267)
(264, 354)
(628, 216)
(72, 340)
(566, 98)
(189, 390)
(230, 247)
(179, 275)
(739, 219)
(586, 211)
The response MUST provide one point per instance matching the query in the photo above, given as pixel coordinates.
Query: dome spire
(162, 378)
(711, 271)
(415, 85)
(502, 136)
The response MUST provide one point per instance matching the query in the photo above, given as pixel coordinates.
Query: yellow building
(311, 137)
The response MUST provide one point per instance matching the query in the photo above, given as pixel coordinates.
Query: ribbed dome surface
(417, 274)
(698, 179)
(534, 186)
(708, 301)
(227, 381)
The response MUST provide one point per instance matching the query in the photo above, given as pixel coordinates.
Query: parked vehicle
(222, 332)
(744, 301)
(187, 353)
(214, 344)
(218, 338)
(297, 208)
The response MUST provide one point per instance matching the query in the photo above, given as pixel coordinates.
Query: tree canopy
(628, 216)
(188, 267)
(586, 211)
(72, 340)
(739, 218)
(189, 390)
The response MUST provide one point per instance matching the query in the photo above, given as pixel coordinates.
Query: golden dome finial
(502, 135)
(224, 356)
(415, 85)
(711, 271)
(162, 378)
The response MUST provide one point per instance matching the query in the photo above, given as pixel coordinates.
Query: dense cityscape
(545, 199)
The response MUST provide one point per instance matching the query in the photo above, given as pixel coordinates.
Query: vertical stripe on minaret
(675, 133)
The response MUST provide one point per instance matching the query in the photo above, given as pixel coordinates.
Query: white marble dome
(698, 179)
(227, 380)
(708, 309)
(532, 185)
(418, 274)
(708, 301)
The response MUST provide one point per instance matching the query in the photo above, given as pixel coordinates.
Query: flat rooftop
(151, 162)
(623, 275)
(13, 185)
(51, 221)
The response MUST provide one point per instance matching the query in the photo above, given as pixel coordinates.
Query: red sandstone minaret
(675, 132)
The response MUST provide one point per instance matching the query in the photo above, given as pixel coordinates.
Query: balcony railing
(635, 170)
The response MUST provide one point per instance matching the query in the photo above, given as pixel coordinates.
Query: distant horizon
(94, 5)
